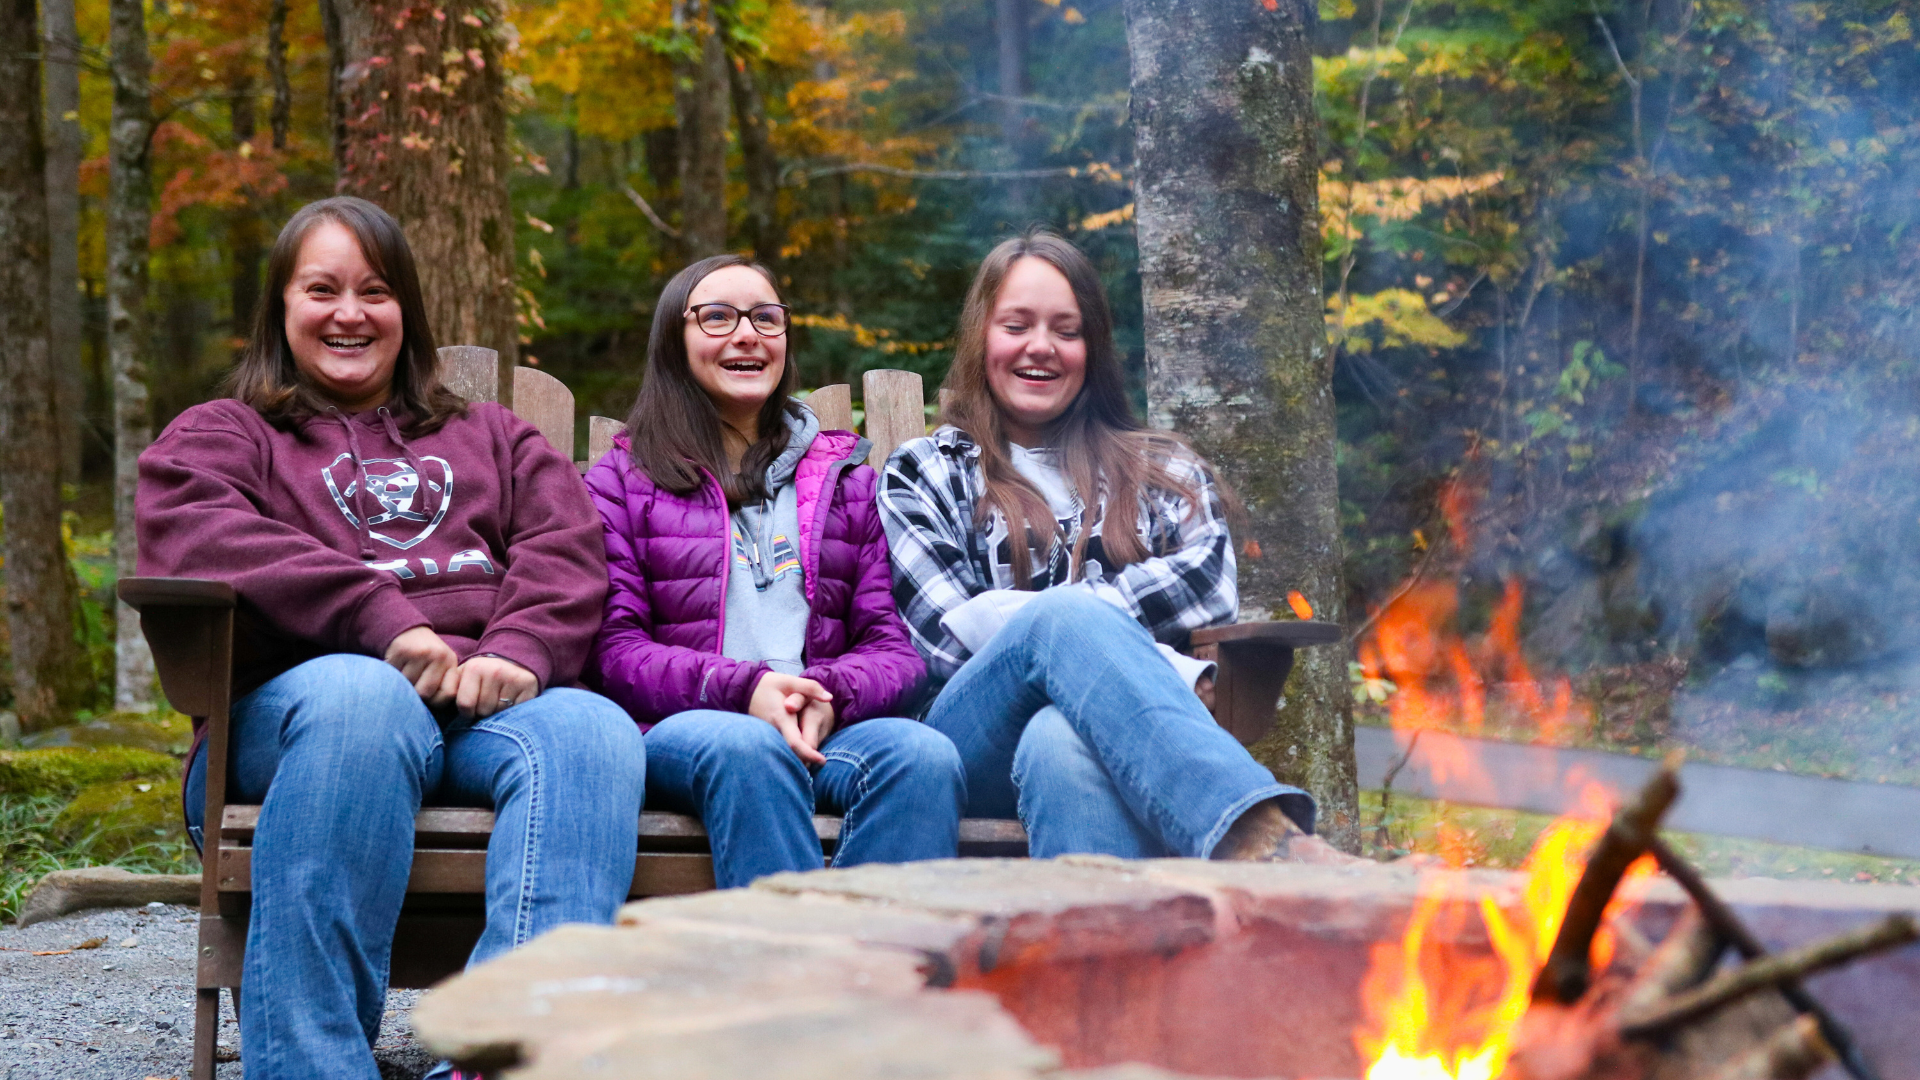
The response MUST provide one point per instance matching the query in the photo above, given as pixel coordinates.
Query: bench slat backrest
(547, 404)
(895, 403)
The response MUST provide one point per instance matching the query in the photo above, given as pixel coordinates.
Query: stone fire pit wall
(1022, 969)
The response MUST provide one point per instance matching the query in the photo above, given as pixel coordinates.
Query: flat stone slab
(580, 989)
(1023, 969)
(1055, 907)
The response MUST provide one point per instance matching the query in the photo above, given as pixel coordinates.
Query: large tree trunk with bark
(129, 218)
(762, 166)
(700, 100)
(421, 123)
(1237, 354)
(64, 148)
(49, 667)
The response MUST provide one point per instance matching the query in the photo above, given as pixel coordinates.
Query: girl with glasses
(749, 627)
(1047, 549)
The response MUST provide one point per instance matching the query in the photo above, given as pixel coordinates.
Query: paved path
(1719, 800)
(125, 1011)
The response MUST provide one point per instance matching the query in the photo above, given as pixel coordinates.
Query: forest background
(1622, 293)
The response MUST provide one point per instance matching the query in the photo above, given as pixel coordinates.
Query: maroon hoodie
(340, 534)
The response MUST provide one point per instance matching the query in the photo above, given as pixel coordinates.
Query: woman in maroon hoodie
(419, 583)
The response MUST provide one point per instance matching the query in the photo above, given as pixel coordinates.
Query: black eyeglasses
(718, 320)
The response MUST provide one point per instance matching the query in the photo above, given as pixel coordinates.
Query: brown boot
(1266, 834)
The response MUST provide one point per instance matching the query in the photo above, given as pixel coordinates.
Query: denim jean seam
(530, 848)
(847, 820)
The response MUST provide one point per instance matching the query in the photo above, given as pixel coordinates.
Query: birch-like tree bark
(1237, 357)
(129, 217)
(421, 125)
(60, 45)
(700, 100)
(49, 667)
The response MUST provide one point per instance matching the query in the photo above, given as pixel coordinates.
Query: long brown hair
(674, 429)
(1104, 449)
(267, 377)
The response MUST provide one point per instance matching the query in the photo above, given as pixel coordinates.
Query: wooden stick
(1791, 1053)
(1564, 976)
(1770, 971)
(1682, 961)
(1722, 918)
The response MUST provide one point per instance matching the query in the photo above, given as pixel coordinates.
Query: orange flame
(1438, 1011)
(1299, 605)
(1440, 1007)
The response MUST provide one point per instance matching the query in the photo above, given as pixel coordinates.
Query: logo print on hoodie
(399, 492)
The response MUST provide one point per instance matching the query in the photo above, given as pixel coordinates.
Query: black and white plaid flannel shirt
(940, 560)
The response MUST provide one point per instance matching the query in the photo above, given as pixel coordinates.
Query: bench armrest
(1254, 660)
(1291, 634)
(141, 593)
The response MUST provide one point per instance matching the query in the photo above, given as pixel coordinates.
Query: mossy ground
(102, 792)
(120, 816)
(64, 770)
(31, 847)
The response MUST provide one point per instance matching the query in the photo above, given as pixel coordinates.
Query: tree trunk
(64, 146)
(762, 167)
(1237, 352)
(245, 238)
(422, 117)
(700, 113)
(280, 115)
(49, 673)
(129, 217)
(1010, 24)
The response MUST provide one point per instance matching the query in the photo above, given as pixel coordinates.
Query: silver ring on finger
(506, 701)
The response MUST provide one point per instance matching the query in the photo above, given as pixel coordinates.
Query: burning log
(1669, 1016)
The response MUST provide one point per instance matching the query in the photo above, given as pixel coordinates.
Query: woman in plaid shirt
(1052, 653)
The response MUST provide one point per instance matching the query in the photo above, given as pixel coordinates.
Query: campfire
(1577, 994)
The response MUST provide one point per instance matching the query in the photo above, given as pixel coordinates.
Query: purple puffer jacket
(658, 652)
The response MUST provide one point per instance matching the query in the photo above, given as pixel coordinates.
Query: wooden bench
(189, 624)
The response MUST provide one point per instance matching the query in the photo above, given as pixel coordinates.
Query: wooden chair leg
(206, 1031)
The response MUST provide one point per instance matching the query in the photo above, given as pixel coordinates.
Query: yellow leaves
(1362, 62)
(1399, 198)
(866, 337)
(1399, 316)
(1095, 222)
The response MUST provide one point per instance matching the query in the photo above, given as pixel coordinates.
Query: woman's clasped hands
(482, 686)
(799, 708)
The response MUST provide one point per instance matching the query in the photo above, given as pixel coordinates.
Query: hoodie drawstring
(357, 487)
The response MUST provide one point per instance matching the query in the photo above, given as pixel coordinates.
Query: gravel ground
(124, 1010)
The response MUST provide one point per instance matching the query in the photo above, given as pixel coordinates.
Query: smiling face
(739, 371)
(1036, 357)
(343, 322)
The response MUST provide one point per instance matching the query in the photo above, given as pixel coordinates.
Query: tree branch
(934, 174)
(647, 209)
(1728, 925)
(1564, 976)
(1768, 972)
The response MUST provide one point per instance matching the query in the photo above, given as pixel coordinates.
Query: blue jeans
(340, 752)
(1071, 719)
(897, 785)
